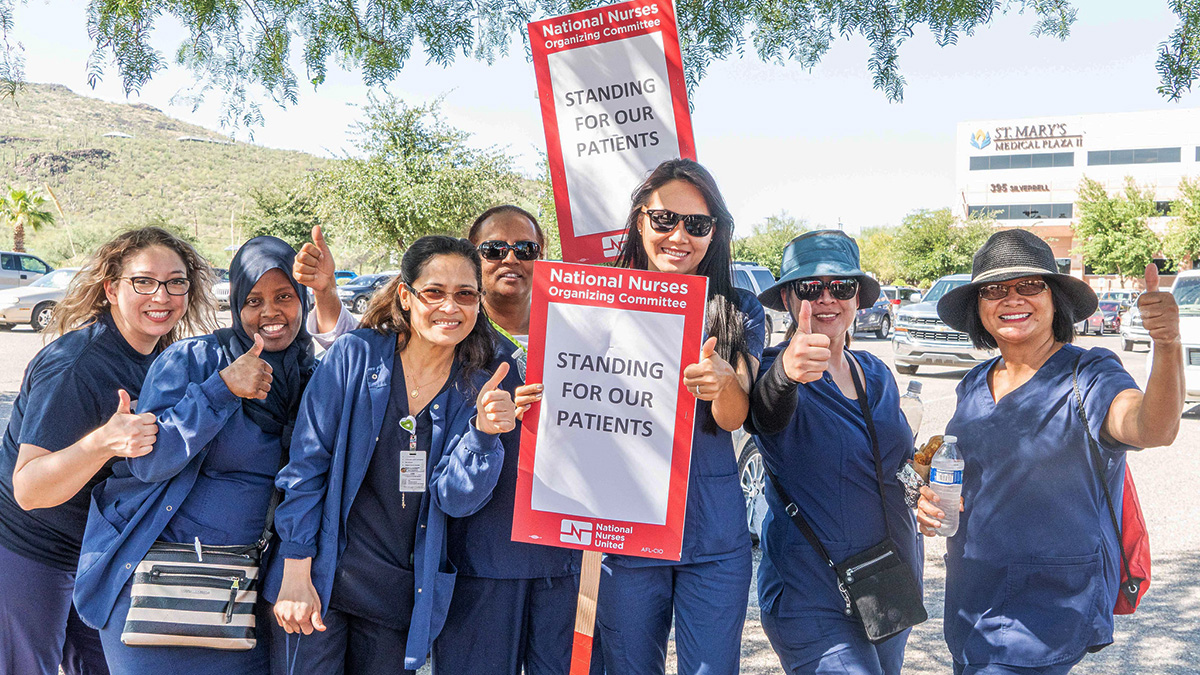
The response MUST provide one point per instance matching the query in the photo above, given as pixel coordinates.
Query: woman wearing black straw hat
(1032, 573)
(829, 425)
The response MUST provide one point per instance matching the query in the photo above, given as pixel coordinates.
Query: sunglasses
(811, 289)
(467, 297)
(695, 224)
(497, 250)
(1000, 291)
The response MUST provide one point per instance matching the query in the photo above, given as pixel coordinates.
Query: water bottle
(945, 478)
(911, 406)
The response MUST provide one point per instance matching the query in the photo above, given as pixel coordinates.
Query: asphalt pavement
(1163, 637)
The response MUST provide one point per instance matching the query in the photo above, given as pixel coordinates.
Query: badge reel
(412, 463)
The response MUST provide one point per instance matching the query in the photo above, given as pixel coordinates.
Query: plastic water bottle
(946, 478)
(911, 406)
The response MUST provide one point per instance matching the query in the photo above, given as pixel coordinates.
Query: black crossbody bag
(877, 585)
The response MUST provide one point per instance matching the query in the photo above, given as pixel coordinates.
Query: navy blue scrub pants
(39, 628)
(709, 603)
(349, 645)
(831, 644)
(997, 669)
(504, 626)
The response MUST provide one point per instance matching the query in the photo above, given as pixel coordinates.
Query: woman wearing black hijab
(225, 405)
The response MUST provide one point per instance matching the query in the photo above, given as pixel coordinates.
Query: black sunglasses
(695, 224)
(1028, 287)
(494, 249)
(811, 289)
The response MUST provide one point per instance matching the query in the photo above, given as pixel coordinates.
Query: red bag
(1135, 550)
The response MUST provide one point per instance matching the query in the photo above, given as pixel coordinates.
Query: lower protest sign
(605, 454)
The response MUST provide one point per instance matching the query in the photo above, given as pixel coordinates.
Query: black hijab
(291, 367)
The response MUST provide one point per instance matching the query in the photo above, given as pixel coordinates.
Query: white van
(1186, 290)
(21, 269)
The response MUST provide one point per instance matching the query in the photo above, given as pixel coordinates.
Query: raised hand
(1160, 313)
(314, 264)
(806, 357)
(526, 396)
(126, 434)
(249, 376)
(495, 411)
(709, 376)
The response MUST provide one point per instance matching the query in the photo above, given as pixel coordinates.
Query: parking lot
(1162, 638)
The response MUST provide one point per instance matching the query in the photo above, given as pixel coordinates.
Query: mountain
(118, 165)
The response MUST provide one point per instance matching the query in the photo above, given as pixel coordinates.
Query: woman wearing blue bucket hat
(829, 426)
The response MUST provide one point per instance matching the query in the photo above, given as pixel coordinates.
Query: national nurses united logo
(577, 532)
(981, 139)
(612, 244)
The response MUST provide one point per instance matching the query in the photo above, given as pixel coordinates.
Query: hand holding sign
(249, 376)
(1160, 313)
(708, 377)
(527, 395)
(127, 434)
(494, 406)
(807, 355)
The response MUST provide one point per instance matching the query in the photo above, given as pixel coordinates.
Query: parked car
(900, 296)
(21, 269)
(342, 277)
(357, 292)
(920, 338)
(756, 278)
(1125, 298)
(1106, 319)
(220, 289)
(1186, 290)
(876, 318)
(34, 304)
(1133, 333)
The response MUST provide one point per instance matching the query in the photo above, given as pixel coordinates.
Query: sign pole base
(585, 613)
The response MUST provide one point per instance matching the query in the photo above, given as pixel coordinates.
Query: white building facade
(1027, 171)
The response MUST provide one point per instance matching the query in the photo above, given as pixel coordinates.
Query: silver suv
(21, 269)
(756, 278)
(920, 338)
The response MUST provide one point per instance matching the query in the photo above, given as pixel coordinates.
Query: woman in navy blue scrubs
(810, 428)
(678, 223)
(1032, 573)
(398, 431)
(226, 404)
(71, 422)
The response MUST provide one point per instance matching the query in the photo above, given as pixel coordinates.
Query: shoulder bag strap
(793, 512)
(866, 411)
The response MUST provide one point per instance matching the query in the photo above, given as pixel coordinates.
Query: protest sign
(605, 454)
(614, 106)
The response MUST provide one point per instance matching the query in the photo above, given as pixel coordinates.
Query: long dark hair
(386, 315)
(722, 319)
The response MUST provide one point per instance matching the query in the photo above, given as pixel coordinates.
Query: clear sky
(821, 144)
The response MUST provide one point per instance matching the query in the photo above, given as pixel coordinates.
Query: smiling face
(444, 323)
(675, 251)
(272, 310)
(144, 319)
(1016, 317)
(830, 316)
(508, 278)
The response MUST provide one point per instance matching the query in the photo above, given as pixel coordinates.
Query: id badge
(412, 471)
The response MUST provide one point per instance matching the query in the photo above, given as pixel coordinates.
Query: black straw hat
(1012, 254)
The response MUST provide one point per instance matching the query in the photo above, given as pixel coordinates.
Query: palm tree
(24, 207)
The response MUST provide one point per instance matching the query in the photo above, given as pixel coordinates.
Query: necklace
(415, 391)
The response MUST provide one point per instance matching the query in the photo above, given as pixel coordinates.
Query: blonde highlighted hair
(85, 299)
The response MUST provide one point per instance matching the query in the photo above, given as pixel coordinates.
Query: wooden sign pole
(585, 613)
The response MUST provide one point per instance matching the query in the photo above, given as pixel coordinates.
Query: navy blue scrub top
(824, 461)
(374, 579)
(69, 390)
(715, 525)
(1031, 575)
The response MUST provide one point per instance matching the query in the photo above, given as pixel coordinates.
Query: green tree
(238, 47)
(547, 216)
(1112, 230)
(877, 251)
(767, 240)
(1182, 240)
(24, 208)
(289, 213)
(416, 176)
(932, 244)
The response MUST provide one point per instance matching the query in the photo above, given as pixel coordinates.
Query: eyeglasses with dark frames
(150, 285)
(695, 224)
(465, 297)
(1028, 287)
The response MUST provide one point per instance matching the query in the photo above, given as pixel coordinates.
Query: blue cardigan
(336, 431)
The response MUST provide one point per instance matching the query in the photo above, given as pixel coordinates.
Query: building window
(1022, 211)
(1041, 160)
(1163, 208)
(1136, 156)
(1063, 264)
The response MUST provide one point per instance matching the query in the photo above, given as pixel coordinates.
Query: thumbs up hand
(708, 377)
(806, 357)
(126, 434)
(249, 376)
(1160, 313)
(314, 264)
(495, 411)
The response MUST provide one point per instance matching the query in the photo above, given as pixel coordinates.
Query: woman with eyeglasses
(398, 432)
(72, 421)
(816, 441)
(679, 224)
(513, 607)
(1033, 572)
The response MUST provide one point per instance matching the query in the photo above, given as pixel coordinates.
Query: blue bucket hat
(823, 253)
